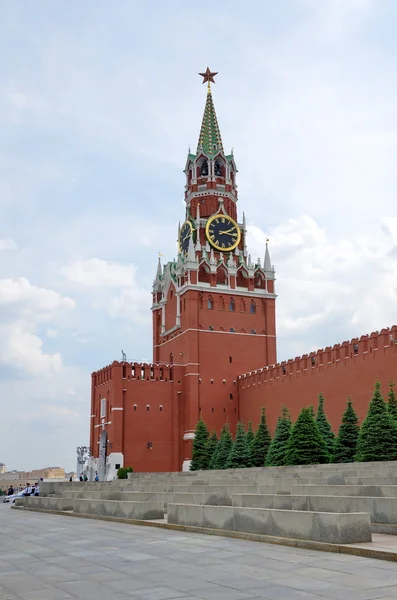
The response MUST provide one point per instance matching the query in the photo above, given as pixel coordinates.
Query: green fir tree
(324, 427)
(239, 455)
(346, 442)
(377, 439)
(306, 445)
(199, 449)
(211, 448)
(261, 442)
(221, 453)
(392, 401)
(279, 444)
(250, 434)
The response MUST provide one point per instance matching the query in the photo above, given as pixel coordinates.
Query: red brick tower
(213, 309)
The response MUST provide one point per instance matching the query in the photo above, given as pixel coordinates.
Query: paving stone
(51, 557)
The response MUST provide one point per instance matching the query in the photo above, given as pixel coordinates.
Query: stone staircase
(337, 504)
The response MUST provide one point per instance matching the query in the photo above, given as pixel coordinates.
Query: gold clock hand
(228, 231)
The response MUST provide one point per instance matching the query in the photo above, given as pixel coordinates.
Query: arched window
(204, 169)
(221, 303)
(232, 305)
(210, 303)
(218, 169)
(253, 307)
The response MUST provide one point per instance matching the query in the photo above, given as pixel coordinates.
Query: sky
(99, 104)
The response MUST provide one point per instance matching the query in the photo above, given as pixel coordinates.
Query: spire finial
(267, 265)
(210, 141)
(208, 76)
(159, 267)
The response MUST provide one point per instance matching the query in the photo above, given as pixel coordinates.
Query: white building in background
(2, 468)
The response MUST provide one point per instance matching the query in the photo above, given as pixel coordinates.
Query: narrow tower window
(204, 169)
(232, 305)
(218, 169)
(210, 303)
(252, 307)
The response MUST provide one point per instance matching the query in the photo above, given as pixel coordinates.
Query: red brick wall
(349, 369)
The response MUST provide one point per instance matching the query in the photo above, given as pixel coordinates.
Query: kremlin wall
(152, 396)
(215, 340)
(347, 369)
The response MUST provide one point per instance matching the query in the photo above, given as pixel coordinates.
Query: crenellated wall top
(366, 344)
(134, 371)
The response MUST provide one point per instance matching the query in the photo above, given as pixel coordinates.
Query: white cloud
(330, 288)
(21, 347)
(24, 306)
(100, 273)
(8, 244)
(132, 301)
(61, 416)
(21, 294)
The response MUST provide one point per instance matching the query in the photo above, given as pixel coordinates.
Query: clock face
(223, 233)
(184, 237)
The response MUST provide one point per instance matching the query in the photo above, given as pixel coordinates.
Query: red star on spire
(208, 76)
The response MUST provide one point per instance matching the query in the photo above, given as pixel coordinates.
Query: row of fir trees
(310, 440)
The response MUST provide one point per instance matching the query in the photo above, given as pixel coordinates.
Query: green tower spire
(210, 140)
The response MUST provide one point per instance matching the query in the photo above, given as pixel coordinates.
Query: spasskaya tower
(213, 319)
(213, 308)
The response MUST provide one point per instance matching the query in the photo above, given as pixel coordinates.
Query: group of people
(30, 490)
(83, 477)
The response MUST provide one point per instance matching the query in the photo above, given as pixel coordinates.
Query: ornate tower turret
(210, 172)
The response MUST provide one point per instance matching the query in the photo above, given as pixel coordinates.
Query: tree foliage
(250, 434)
(392, 401)
(221, 454)
(239, 455)
(377, 439)
(279, 444)
(346, 442)
(212, 444)
(261, 442)
(199, 450)
(122, 472)
(306, 445)
(324, 427)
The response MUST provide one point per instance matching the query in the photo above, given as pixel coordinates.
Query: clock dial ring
(184, 237)
(222, 232)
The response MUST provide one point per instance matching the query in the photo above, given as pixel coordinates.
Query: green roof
(210, 140)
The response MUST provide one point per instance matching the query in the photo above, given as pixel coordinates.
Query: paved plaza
(50, 557)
